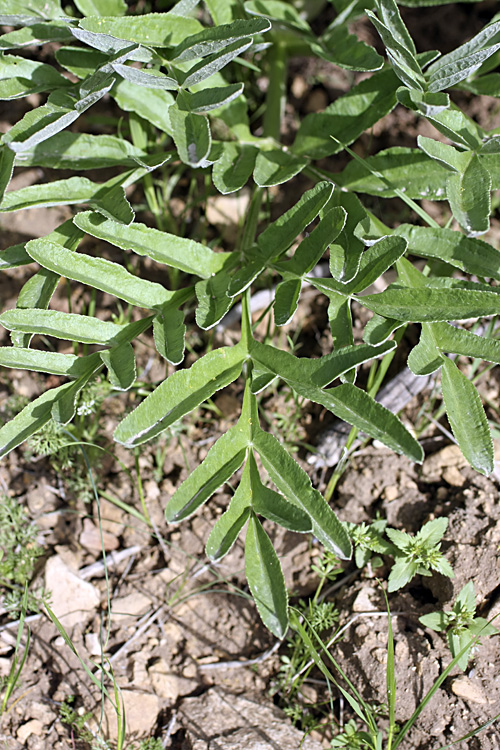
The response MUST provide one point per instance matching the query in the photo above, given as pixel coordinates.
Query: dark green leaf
(213, 301)
(191, 134)
(180, 394)
(428, 305)
(232, 171)
(120, 362)
(169, 332)
(276, 167)
(265, 579)
(467, 418)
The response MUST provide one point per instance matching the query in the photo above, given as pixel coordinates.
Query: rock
(464, 688)
(141, 711)
(166, 685)
(73, 600)
(364, 600)
(232, 722)
(448, 457)
(126, 609)
(91, 539)
(34, 726)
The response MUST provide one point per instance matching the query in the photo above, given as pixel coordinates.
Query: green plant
(19, 551)
(460, 625)
(374, 727)
(183, 88)
(419, 554)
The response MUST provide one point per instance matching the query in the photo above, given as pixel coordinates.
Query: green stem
(140, 488)
(276, 92)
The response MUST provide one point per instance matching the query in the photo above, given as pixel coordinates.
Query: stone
(233, 722)
(166, 685)
(469, 691)
(91, 538)
(73, 601)
(34, 726)
(126, 609)
(141, 710)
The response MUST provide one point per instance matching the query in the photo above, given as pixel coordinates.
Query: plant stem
(276, 92)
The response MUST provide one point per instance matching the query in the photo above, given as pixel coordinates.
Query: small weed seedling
(419, 554)
(19, 551)
(460, 625)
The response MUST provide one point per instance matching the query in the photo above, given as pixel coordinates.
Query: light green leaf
(66, 365)
(378, 329)
(268, 503)
(220, 463)
(374, 262)
(244, 277)
(151, 104)
(152, 29)
(14, 256)
(81, 61)
(286, 299)
(467, 418)
(120, 362)
(232, 171)
(177, 252)
(399, 45)
(340, 47)
(20, 77)
(401, 573)
(346, 252)
(80, 151)
(423, 102)
(459, 128)
(428, 176)
(99, 273)
(277, 166)
(464, 60)
(469, 195)
(29, 420)
(216, 38)
(213, 301)
(437, 621)
(359, 409)
(282, 13)
(191, 134)
(169, 334)
(312, 247)
(38, 33)
(447, 155)
(101, 7)
(32, 9)
(211, 64)
(317, 372)
(64, 408)
(348, 117)
(228, 526)
(209, 99)
(460, 341)
(61, 325)
(279, 235)
(145, 79)
(469, 254)
(180, 394)
(265, 579)
(425, 357)
(428, 305)
(295, 485)
(6, 168)
(72, 191)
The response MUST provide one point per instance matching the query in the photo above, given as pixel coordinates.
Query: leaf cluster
(179, 79)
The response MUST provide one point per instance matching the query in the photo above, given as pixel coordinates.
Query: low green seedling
(460, 625)
(19, 551)
(419, 554)
(184, 82)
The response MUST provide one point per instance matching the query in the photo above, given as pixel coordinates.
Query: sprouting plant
(74, 720)
(19, 551)
(366, 539)
(418, 554)
(460, 625)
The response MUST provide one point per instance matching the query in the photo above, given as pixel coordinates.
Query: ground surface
(183, 640)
